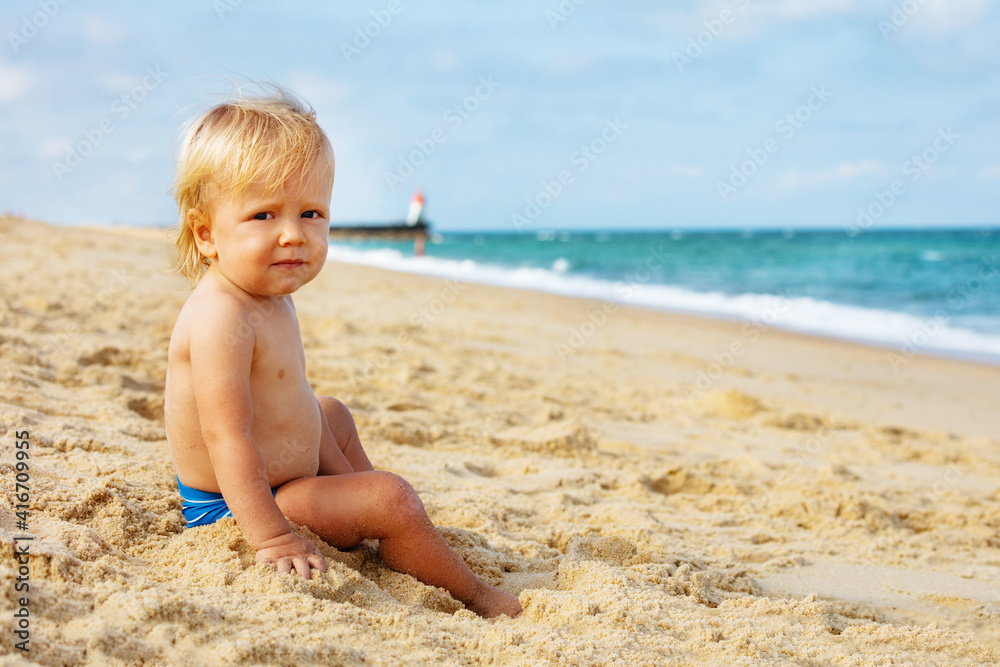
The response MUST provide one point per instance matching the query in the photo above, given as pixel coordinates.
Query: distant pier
(414, 227)
(395, 230)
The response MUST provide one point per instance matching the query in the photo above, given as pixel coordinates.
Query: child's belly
(288, 433)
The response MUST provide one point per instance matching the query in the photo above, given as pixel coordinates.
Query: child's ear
(203, 239)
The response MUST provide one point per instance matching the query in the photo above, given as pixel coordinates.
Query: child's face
(270, 245)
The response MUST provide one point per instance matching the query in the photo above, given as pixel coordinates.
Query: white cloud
(946, 35)
(748, 19)
(940, 18)
(567, 64)
(15, 83)
(98, 30)
(795, 179)
(798, 9)
(445, 61)
(54, 149)
(990, 172)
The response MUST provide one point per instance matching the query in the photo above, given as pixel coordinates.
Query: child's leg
(340, 441)
(346, 509)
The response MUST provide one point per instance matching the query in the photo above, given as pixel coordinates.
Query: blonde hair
(249, 139)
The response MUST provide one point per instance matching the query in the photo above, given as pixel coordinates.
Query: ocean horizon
(909, 290)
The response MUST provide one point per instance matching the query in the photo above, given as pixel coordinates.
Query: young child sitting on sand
(248, 436)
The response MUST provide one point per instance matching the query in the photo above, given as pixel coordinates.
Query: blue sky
(528, 115)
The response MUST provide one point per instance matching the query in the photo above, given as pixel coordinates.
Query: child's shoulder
(207, 299)
(210, 310)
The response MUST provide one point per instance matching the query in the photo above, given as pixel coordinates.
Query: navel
(281, 373)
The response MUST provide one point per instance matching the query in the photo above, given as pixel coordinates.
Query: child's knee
(330, 403)
(401, 498)
(336, 412)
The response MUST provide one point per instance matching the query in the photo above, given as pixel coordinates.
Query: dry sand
(811, 505)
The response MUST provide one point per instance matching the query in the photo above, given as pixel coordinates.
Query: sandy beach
(658, 489)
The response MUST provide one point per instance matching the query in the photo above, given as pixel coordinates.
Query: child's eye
(261, 216)
(312, 214)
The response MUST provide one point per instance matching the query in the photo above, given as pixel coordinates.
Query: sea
(918, 291)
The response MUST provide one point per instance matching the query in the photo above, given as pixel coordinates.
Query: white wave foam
(905, 333)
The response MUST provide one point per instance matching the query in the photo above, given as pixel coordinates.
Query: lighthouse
(414, 227)
(416, 208)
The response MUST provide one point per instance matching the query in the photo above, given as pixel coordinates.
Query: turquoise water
(884, 287)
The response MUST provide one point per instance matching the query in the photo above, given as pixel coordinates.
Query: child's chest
(278, 354)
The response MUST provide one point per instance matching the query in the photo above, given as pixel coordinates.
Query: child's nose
(291, 233)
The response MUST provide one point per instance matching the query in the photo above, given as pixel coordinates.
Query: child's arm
(222, 346)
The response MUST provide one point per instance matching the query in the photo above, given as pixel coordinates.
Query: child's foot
(491, 602)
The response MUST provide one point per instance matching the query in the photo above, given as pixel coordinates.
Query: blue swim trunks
(200, 508)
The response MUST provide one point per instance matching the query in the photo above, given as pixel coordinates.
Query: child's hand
(291, 550)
